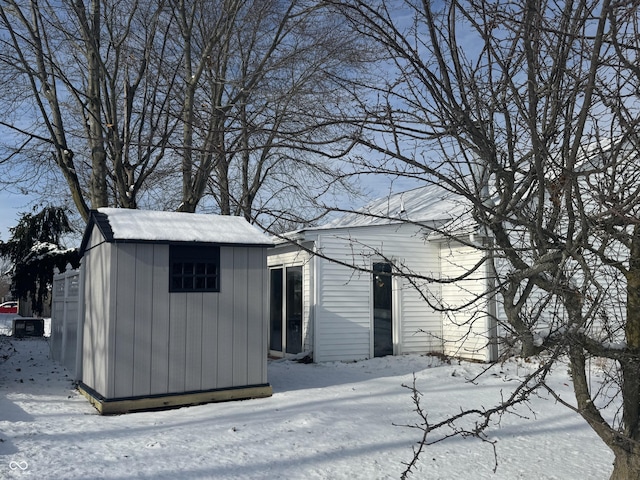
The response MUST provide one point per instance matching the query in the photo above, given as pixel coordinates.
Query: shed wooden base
(162, 402)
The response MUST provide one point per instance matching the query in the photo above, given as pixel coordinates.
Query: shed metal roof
(126, 225)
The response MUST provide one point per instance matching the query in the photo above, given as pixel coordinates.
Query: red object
(9, 307)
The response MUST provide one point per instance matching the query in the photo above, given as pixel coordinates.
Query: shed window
(194, 268)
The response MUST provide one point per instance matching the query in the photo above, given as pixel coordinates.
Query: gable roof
(430, 203)
(145, 226)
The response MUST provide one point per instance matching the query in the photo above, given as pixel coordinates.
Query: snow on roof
(423, 204)
(146, 225)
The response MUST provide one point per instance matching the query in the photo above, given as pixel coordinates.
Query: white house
(173, 310)
(370, 283)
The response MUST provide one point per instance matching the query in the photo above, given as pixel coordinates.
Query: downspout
(492, 307)
(396, 314)
(313, 290)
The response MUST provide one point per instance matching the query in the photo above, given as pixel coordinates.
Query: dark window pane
(194, 268)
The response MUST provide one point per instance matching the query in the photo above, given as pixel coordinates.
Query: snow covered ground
(327, 421)
(6, 324)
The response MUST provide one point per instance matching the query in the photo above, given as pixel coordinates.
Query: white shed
(175, 309)
(335, 292)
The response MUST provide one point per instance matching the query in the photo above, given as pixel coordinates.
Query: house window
(194, 268)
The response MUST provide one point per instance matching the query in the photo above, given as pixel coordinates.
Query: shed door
(286, 310)
(382, 310)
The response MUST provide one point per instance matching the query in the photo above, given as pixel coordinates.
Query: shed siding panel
(240, 313)
(112, 321)
(125, 320)
(225, 319)
(97, 301)
(177, 342)
(465, 332)
(256, 304)
(210, 314)
(160, 321)
(193, 331)
(143, 308)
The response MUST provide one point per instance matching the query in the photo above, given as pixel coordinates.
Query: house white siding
(342, 311)
(467, 321)
(421, 327)
(344, 304)
(401, 235)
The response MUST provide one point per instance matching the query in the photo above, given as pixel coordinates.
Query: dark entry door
(382, 310)
(294, 309)
(286, 309)
(275, 313)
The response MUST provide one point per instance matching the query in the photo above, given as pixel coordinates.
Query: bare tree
(528, 111)
(169, 102)
(86, 94)
(262, 85)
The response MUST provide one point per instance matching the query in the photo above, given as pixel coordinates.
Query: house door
(286, 309)
(294, 310)
(275, 309)
(382, 310)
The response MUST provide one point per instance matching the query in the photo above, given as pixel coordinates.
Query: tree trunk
(630, 365)
(90, 31)
(626, 466)
(222, 172)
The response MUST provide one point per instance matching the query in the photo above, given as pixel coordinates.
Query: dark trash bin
(28, 327)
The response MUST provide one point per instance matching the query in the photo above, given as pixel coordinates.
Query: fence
(66, 321)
